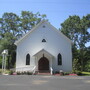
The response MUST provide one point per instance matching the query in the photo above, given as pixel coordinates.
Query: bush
(11, 72)
(0, 71)
(76, 65)
(57, 72)
(24, 73)
(78, 72)
(29, 73)
(66, 73)
(87, 67)
(18, 73)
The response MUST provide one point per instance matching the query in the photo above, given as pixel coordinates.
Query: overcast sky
(56, 10)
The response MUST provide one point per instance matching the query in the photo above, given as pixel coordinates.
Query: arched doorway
(43, 64)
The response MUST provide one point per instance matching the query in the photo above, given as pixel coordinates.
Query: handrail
(51, 70)
(29, 68)
(34, 69)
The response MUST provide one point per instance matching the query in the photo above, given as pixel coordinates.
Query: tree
(9, 24)
(12, 27)
(76, 29)
(29, 20)
(87, 59)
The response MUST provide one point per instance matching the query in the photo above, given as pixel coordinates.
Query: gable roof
(43, 51)
(19, 40)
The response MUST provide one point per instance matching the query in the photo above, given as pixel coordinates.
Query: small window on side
(27, 59)
(59, 59)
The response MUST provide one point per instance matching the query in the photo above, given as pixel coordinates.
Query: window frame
(59, 59)
(44, 40)
(28, 59)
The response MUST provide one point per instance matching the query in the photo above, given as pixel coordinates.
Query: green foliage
(76, 65)
(29, 73)
(0, 62)
(78, 73)
(18, 73)
(86, 73)
(76, 29)
(29, 20)
(10, 72)
(0, 71)
(12, 27)
(87, 66)
(67, 73)
(24, 73)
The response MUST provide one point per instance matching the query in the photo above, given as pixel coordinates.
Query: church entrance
(43, 64)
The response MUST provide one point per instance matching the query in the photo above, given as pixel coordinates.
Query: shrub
(0, 71)
(11, 72)
(24, 73)
(78, 72)
(66, 73)
(57, 72)
(29, 73)
(18, 73)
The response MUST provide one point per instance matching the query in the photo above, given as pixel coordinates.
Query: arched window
(27, 59)
(59, 59)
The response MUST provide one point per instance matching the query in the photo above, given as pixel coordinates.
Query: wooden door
(43, 64)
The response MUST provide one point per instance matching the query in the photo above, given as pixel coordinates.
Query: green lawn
(86, 73)
(83, 73)
(6, 71)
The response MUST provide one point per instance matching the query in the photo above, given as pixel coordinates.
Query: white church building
(44, 48)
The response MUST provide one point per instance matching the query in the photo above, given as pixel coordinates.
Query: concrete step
(44, 71)
(43, 74)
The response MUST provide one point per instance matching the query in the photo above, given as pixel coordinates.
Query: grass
(83, 73)
(6, 71)
(86, 73)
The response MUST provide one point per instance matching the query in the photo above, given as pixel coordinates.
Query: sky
(57, 11)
